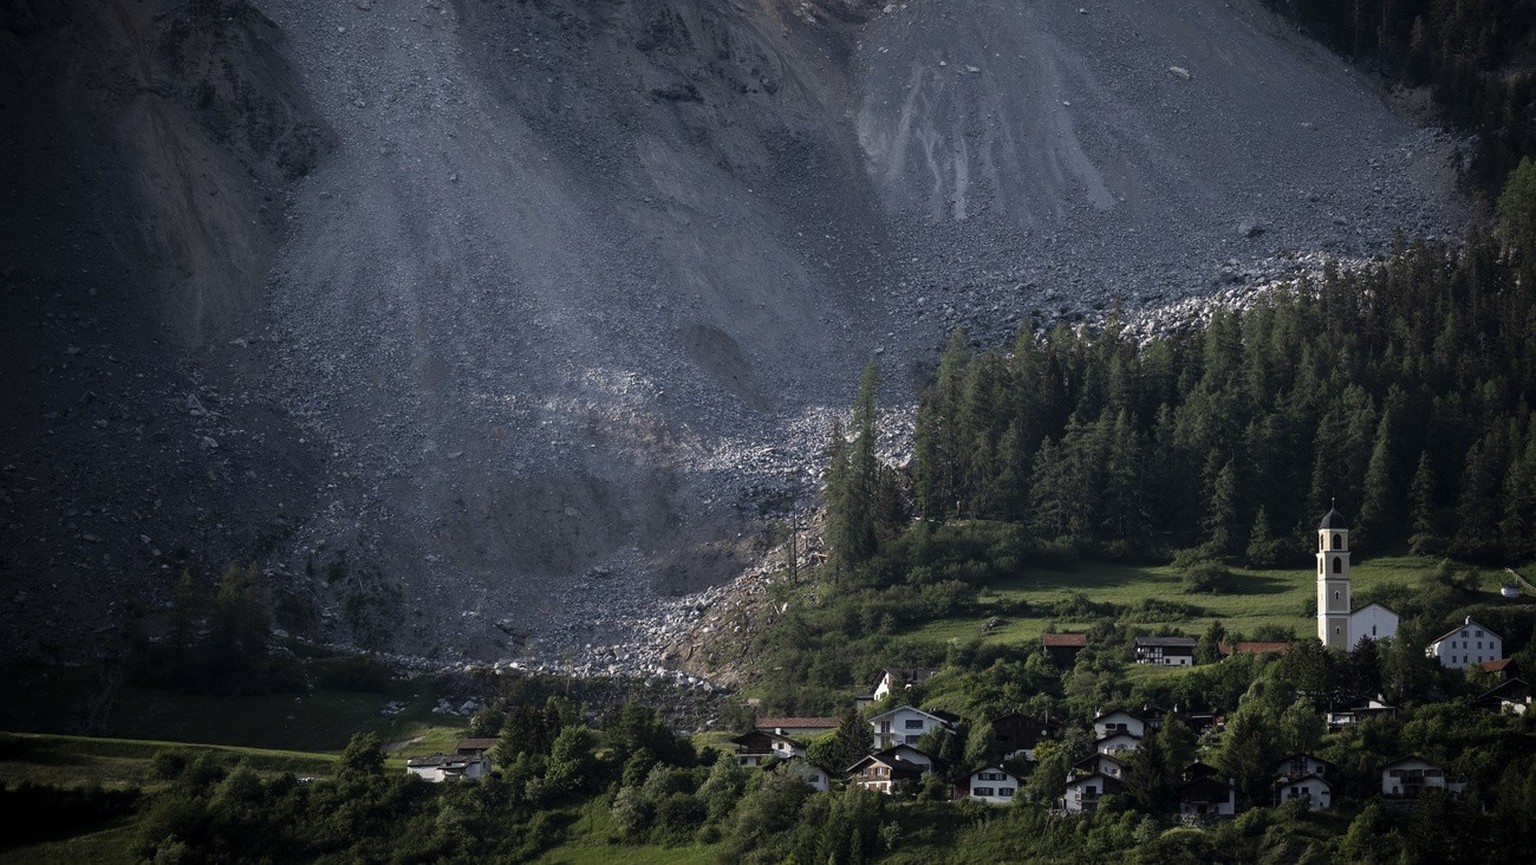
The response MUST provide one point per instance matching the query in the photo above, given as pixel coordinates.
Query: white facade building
(1466, 645)
(904, 726)
(995, 786)
(1372, 621)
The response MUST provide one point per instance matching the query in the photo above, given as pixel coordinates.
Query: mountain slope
(557, 323)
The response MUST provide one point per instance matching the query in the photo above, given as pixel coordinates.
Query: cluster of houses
(1202, 792)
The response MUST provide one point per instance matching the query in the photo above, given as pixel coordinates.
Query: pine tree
(1378, 508)
(1221, 514)
(1264, 549)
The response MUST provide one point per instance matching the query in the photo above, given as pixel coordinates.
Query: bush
(1208, 577)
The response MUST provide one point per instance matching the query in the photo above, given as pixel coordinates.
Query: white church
(1338, 625)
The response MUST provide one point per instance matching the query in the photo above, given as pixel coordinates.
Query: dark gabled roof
(1102, 715)
(1510, 688)
(897, 767)
(797, 721)
(1198, 769)
(1412, 759)
(446, 761)
(477, 744)
(1496, 666)
(1092, 760)
(1283, 782)
(1289, 757)
(1333, 520)
(1181, 642)
(890, 754)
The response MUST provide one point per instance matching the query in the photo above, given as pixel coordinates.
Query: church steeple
(1333, 602)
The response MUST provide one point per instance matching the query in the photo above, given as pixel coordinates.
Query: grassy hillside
(1262, 599)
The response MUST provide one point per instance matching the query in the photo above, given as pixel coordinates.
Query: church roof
(1333, 520)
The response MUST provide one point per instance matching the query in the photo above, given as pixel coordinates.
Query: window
(914, 723)
(1338, 565)
(1479, 633)
(1005, 792)
(912, 740)
(1338, 542)
(1464, 634)
(981, 791)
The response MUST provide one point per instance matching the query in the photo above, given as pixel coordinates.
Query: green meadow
(1261, 599)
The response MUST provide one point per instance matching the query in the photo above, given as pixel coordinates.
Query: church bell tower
(1333, 603)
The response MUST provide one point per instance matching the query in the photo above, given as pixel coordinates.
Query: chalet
(1166, 651)
(798, 727)
(1301, 776)
(808, 773)
(448, 767)
(907, 754)
(1338, 719)
(1018, 734)
(1465, 645)
(1315, 790)
(1063, 648)
(1203, 793)
(1512, 696)
(1408, 777)
(905, 725)
(1083, 794)
(1102, 764)
(1117, 743)
(993, 785)
(1300, 766)
(883, 773)
(1119, 721)
(757, 747)
(1503, 669)
(893, 679)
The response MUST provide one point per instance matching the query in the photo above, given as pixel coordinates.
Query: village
(896, 765)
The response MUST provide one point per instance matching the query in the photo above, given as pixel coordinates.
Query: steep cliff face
(145, 149)
(482, 322)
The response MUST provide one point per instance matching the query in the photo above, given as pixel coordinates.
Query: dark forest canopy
(1475, 54)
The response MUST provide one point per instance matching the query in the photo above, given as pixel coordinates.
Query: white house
(1102, 764)
(445, 767)
(1118, 721)
(995, 786)
(1312, 789)
(1166, 651)
(1465, 645)
(1118, 743)
(1372, 621)
(757, 747)
(1410, 775)
(808, 773)
(1083, 794)
(1300, 766)
(905, 725)
(899, 679)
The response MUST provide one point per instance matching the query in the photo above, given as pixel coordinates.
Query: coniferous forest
(1474, 55)
(1403, 389)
